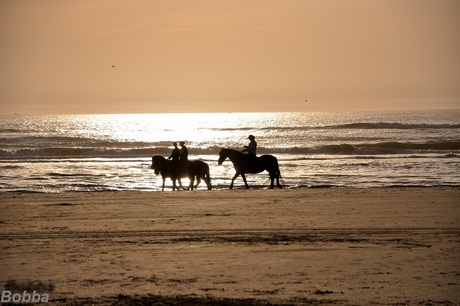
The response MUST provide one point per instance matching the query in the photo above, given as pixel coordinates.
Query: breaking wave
(446, 147)
(374, 148)
(359, 125)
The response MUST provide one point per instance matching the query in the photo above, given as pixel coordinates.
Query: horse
(202, 173)
(169, 169)
(244, 163)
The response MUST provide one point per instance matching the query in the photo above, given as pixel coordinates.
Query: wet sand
(383, 246)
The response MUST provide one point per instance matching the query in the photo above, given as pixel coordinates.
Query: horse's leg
(244, 179)
(192, 180)
(272, 179)
(208, 182)
(181, 186)
(207, 178)
(198, 180)
(233, 179)
(278, 181)
(163, 188)
(175, 187)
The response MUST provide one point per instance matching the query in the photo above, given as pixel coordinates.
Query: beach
(344, 246)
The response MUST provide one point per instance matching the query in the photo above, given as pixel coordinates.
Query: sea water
(113, 152)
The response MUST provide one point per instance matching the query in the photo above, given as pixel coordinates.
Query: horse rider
(174, 157)
(175, 154)
(183, 155)
(252, 147)
(250, 152)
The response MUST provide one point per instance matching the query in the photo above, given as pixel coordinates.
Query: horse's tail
(277, 168)
(278, 173)
(207, 176)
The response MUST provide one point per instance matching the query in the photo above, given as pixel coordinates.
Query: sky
(155, 56)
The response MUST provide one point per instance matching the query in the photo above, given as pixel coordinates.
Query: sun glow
(202, 132)
(201, 127)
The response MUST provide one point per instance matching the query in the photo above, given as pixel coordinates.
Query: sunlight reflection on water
(101, 152)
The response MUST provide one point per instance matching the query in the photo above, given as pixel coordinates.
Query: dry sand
(384, 246)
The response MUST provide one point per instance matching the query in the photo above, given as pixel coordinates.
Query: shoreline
(345, 246)
(237, 187)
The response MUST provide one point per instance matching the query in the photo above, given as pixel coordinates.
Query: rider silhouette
(250, 152)
(174, 157)
(175, 154)
(252, 147)
(183, 156)
(183, 153)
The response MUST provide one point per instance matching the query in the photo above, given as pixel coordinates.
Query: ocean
(60, 153)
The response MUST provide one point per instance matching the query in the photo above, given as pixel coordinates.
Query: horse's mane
(232, 150)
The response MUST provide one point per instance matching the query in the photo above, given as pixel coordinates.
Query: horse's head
(222, 156)
(157, 161)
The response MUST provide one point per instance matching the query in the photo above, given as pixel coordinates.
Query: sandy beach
(383, 246)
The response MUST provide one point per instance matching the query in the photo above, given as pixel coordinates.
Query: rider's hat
(251, 137)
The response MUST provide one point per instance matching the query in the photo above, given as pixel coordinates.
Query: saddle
(250, 162)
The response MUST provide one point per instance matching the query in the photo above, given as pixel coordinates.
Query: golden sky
(57, 56)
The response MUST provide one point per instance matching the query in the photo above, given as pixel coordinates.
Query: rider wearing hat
(252, 147)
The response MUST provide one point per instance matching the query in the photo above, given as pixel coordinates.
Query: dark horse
(243, 163)
(202, 173)
(168, 168)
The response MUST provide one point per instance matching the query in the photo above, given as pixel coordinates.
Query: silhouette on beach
(169, 169)
(175, 154)
(183, 152)
(202, 172)
(177, 166)
(245, 163)
(251, 148)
